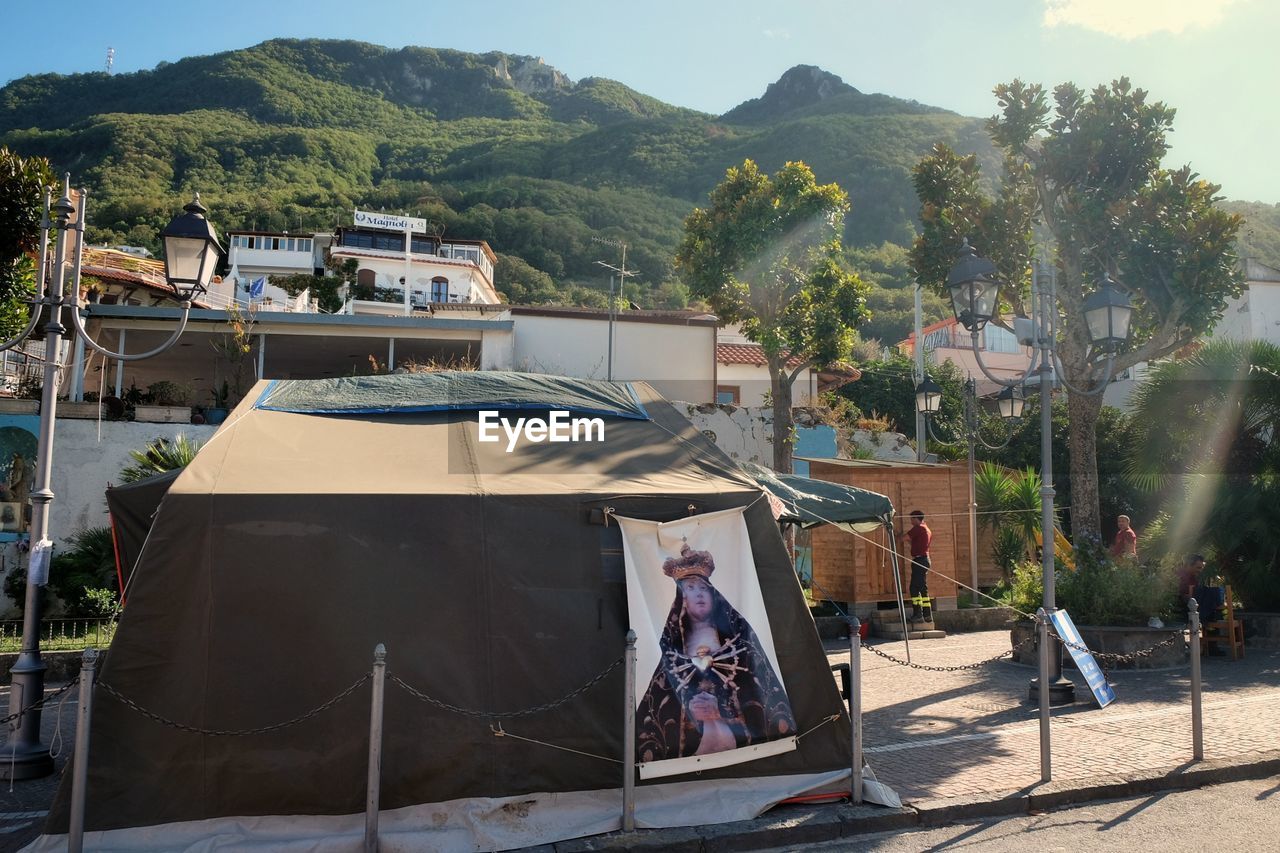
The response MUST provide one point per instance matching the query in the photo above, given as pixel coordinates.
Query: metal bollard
(1197, 722)
(855, 707)
(629, 738)
(374, 785)
(80, 767)
(1046, 769)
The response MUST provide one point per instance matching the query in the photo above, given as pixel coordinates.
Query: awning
(810, 503)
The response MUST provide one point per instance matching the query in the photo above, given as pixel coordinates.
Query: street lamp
(191, 252)
(1010, 409)
(928, 397)
(1107, 314)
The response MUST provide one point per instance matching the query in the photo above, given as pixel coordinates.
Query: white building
(947, 340)
(259, 255)
(434, 270)
(1254, 315)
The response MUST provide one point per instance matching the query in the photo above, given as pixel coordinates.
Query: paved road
(956, 734)
(1243, 817)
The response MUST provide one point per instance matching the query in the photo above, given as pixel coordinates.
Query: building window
(367, 240)
(729, 395)
(366, 279)
(439, 290)
(1000, 340)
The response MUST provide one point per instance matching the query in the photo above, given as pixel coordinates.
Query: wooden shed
(859, 568)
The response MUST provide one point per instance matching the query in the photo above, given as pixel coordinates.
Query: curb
(792, 825)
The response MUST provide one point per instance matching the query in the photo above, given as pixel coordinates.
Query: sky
(1214, 60)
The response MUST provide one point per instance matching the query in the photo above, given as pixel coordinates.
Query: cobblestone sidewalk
(958, 734)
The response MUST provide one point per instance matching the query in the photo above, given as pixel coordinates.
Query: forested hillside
(294, 134)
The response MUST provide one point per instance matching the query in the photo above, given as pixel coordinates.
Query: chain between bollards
(629, 738)
(1197, 722)
(373, 790)
(855, 708)
(80, 766)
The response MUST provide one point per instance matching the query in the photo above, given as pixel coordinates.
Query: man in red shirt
(919, 536)
(1126, 543)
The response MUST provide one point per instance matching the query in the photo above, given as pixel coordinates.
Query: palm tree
(158, 456)
(1206, 441)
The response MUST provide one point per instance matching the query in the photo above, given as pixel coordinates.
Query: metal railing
(60, 635)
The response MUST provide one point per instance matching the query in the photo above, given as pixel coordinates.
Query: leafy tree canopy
(765, 253)
(22, 184)
(1086, 176)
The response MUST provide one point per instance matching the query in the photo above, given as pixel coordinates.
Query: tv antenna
(111, 59)
(622, 275)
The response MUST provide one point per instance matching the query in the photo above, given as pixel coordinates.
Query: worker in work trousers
(919, 536)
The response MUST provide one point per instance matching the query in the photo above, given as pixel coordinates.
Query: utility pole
(622, 274)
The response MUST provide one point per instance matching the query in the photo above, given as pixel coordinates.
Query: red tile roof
(747, 354)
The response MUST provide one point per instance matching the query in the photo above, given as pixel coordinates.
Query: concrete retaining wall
(87, 457)
(59, 666)
(1262, 629)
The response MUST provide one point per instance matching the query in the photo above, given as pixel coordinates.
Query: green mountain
(294, 134)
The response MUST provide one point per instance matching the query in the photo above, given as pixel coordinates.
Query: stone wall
(746, 433)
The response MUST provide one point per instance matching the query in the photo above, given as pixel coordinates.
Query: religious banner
(708, 685)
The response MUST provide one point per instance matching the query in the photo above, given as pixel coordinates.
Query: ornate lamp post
(1009, 405)
(974, 292)
(191, 252)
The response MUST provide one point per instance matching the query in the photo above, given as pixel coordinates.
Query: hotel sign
(389, 222)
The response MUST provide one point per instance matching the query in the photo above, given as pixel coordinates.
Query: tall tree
(22, 183)
(766, 253)
(1088, 179)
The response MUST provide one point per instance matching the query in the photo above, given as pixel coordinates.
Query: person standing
(919, 536)
(1126, 542)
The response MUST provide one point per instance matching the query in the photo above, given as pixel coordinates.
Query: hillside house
(947, 340)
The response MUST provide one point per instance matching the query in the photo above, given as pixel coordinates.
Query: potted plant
(231, 350)
(217, 413)
(165, 403)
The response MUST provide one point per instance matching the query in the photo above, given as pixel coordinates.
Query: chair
(1227, 628)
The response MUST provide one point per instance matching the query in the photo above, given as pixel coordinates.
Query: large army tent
(328, 516)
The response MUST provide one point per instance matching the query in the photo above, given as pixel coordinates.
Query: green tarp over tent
(810, 503)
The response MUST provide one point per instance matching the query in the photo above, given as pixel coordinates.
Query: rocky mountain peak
(530, 75)
(801, 86)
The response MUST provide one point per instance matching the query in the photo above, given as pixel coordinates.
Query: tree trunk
(1082, 413)
(783, 441)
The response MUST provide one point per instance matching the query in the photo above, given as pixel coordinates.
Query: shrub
(84, 575)
(1120, 593)
(1026, 588)
(166, 393)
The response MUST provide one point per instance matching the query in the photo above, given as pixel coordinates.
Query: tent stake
(80, 769)
(629, 739)
(374, 790)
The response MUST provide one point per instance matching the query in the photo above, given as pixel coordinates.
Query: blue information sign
(1084, 659)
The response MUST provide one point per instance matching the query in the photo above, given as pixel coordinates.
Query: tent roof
(407, 450)
(810, 503)
(450, 390)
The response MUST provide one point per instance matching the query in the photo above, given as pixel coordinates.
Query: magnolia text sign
(389, 222)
